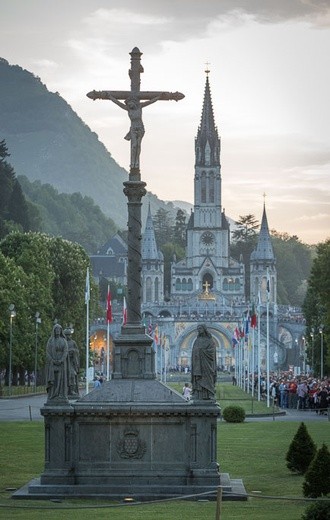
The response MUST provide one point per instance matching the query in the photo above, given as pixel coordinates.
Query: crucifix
(134, 101)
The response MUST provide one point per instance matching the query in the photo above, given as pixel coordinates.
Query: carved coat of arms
(130, 446)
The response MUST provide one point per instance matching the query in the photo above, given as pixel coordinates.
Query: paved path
(28, 408)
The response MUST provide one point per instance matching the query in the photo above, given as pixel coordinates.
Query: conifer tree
(317, 478)
(301, 451)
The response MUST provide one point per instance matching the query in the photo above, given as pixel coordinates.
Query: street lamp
(312, 338)
(321, 333)
(38, 320)
(12, 314)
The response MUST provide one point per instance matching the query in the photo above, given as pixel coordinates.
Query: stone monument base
(131, 438)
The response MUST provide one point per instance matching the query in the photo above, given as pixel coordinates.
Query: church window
(190, 284)
(211, 188)
(207, 154)
(148, 290)
(225, 284)
(203, 187)
(110, 252)
(237, 284)
(178, 284)
(184, 284)
(156, 290)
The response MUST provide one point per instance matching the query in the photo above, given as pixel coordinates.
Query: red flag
(253, 317)
(124, 312)
(109, 306)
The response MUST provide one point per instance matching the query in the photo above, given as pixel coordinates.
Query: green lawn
(227, 394)
(253, 451)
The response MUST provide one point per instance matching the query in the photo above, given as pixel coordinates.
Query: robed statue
(57, 365)
(203, 366)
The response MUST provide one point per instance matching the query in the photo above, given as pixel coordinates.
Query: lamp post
(12, 314)
(38, 320)
(321, 364)
(312, 338)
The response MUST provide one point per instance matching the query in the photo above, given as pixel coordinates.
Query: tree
(244, 242)
(293, 264)
(317, 477)
(14, 212)
(179, 231)
(163, 227)
(317, 511)
(316, 307)
(301, 451)
(48, 276)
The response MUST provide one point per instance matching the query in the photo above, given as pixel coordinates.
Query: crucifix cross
(206, 285)
(134, 101)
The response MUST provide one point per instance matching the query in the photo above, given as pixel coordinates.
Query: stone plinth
(130, 438)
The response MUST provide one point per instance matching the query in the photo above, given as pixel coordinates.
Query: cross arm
(142, 96)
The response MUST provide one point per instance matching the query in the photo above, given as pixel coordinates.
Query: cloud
(45, 64)
(196, 15)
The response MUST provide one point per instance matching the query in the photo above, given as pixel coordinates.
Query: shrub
(317, 478)
(301, 451)
(234, 414)
(317, 511)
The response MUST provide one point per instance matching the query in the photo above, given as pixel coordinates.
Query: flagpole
(87, 297)
(108, 351)
(267, 341)
(164, 342)
(252, 363)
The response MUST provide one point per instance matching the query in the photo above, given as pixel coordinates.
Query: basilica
(207, 278)
(207, 285)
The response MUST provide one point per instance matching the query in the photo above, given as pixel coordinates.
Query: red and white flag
(109, 306)
(124, 311)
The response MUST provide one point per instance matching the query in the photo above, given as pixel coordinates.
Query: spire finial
(207, 70)
(264, 196)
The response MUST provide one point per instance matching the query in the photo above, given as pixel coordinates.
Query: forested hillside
(49, 142)
(71, 216)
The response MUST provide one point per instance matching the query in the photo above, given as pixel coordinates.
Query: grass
(253, 451)
(227, 394)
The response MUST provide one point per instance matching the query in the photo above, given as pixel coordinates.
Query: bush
(234, 414)
(317, 478)
(301, 451)
(317, 511)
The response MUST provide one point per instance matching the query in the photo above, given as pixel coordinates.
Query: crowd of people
(303, 392)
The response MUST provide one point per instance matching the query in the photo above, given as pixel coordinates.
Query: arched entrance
(207, 282)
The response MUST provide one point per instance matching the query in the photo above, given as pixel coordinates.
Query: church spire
(207, 143)
(264, 250)
(149, 246)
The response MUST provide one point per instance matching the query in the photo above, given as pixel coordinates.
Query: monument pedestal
(130, 438)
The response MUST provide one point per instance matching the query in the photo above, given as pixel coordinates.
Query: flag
(247, 326)
(156, 336)
(150, 328)
(109, 306)
(235, 338)
(124, 311)
(253, 317)
(87, 287)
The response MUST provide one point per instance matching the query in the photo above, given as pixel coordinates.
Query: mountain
(49, 142)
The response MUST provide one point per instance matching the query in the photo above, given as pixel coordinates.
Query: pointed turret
(264, 250)
(263, 275)
(207, 143)
(149, 246)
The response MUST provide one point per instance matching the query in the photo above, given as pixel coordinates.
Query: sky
(269, 63)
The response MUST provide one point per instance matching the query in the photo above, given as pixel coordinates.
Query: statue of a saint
(57, 365)
(203, 366)
(73, 365)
